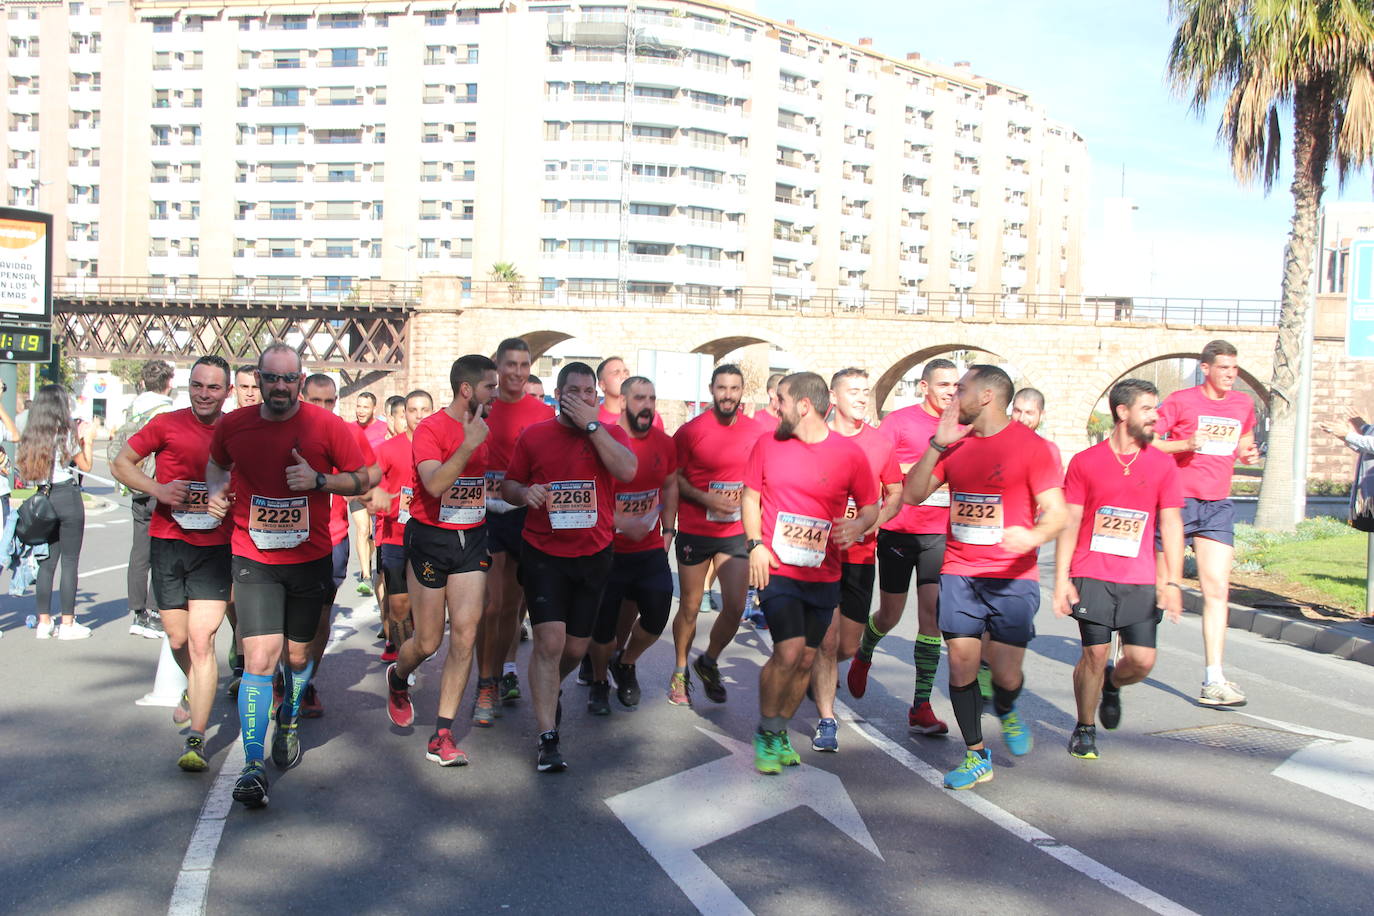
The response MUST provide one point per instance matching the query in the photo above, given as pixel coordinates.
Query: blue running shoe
(825, 738)
(976, 768)
(1016, 734)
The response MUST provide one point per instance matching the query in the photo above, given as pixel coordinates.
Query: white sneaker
(73, 630)
(1221, 693)
(43, 630)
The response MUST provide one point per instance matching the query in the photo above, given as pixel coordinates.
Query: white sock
(1213, 675)
(508, 668)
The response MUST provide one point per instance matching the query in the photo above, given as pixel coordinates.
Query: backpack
(121, 436)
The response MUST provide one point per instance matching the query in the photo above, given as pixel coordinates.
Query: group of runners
(494, 506)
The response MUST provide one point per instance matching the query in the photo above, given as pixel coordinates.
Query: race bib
(640, 504)
(799, 540)
(1118, 531)
(572, 504)
(939, 499)
(976, 518)
(731, 490)
(195, 514)
(494, 479)
(464, 502)
(277, 524)
(1218, 435)
(851, 508)
(403, 507)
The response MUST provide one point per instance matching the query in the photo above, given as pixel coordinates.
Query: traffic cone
(169, 683)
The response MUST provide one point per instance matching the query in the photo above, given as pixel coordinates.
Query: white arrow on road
(674, 817)
(1341, 766)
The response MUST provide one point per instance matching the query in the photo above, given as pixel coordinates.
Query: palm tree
(505, 272)
(1269, 58)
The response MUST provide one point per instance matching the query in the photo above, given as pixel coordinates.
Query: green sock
(926, 654)
(869, 641)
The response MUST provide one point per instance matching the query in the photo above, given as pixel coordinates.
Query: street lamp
(406, 278)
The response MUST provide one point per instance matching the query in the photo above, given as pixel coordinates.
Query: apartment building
(671, 151)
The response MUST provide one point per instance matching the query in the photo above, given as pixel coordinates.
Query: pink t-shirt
(803, 489)
(993, 481)
(882, 461)
(374, 432)
(1206, 472)
(910, 430)
(712, 457)
(1116, 541)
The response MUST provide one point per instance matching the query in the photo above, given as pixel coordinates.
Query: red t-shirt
(766, 421)
(505, 422)
(182, 445)
(292, 526)
(711, 456)
(338, 505)
(1054, 450)
(643, 496)
(882, 461)
(464, 504)
(398, 479)
(1116, 541)
(1206, 473)
(578, 517)
(993, 481)
(803, 488)
(375, 432)
(910, 430)
(607, 418)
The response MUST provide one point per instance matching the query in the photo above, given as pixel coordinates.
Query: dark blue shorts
(1003, 608)
(505, 532)
(1213, 519)
(794, 608)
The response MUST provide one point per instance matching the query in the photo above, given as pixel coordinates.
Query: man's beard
(722, 412)
(640, 422)
(784, 430)
(1140, 435)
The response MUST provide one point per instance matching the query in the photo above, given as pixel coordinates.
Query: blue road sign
(1359, 328)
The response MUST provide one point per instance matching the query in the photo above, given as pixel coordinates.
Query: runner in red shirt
(565, 470)
(446, 550)
(1028, 409)
(797, 485)
(512, 412)
(1207, 428)
(392, 506)
(849, 395)
(712, 450)
(912, 542)
(1006, 499)
(1105, 573)
(374, 431)
(611, 373)
(767, 419)
(280, 544)
(190, 547)
(639, 592)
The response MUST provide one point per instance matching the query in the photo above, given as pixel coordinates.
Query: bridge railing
(306, 292)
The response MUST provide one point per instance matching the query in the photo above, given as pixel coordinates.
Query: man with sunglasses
(281, 565)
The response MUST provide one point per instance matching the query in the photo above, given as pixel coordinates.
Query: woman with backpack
(51, 442)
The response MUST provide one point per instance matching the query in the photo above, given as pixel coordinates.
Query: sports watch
(592, 426)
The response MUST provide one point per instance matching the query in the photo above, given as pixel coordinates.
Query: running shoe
(857, 678)
(680, 690)
(524, 631)
(484, 709)
(756, 618)
(710, 679)
(766, 753)
(510, 687)
(786, 755)
(1109, 710)
(1016, 733)
(139, 622)
(921, 720)
(43, 630)
(985, 682)
(599, 699)
(231, 689)
(192, 758)
(976, 768)
(626, 682)
(251, 788)
(364, 589)
(1083, 742)
(389, 652)
(550, 760)
(443, 750)
(1222, 693)
(73, 630)
(152, 627)
(311, 707)
(286, 744)
(182, 713)
(398, 705)
(584, 671)
(826, 736)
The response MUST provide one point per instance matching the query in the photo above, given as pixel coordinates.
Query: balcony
(1013, 243)
(914, 234)
(1016, 180)
(912, 269)
(1014, 277)
(962, 277)
(964, 210)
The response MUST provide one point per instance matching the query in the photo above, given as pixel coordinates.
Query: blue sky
(1098, 65)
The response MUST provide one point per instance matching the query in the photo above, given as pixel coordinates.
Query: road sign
(25, 265)
(1359, 327)
(24, 344)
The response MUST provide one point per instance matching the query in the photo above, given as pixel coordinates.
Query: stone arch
(1245, 375)
(884, 384)
(718, 347)
(542, 341)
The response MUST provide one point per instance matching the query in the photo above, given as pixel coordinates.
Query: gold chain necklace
(1125, 465)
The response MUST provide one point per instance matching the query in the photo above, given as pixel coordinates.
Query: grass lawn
(1333, 566)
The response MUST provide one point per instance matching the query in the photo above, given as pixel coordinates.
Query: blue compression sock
(255, 709)
(299, 680)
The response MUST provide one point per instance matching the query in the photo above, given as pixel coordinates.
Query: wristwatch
(752, 543)
(592, 426)
(937, 446)
(669, 531)
(320, 480)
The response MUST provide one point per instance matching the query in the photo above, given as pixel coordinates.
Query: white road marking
(1341, 766)
(189, 894)
(104, 569)
(1084, 865)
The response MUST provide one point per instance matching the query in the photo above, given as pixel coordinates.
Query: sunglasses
(271, 378)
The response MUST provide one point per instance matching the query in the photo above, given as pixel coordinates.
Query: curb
(1343, 640)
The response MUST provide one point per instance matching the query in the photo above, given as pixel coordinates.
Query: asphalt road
(1266, 809)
